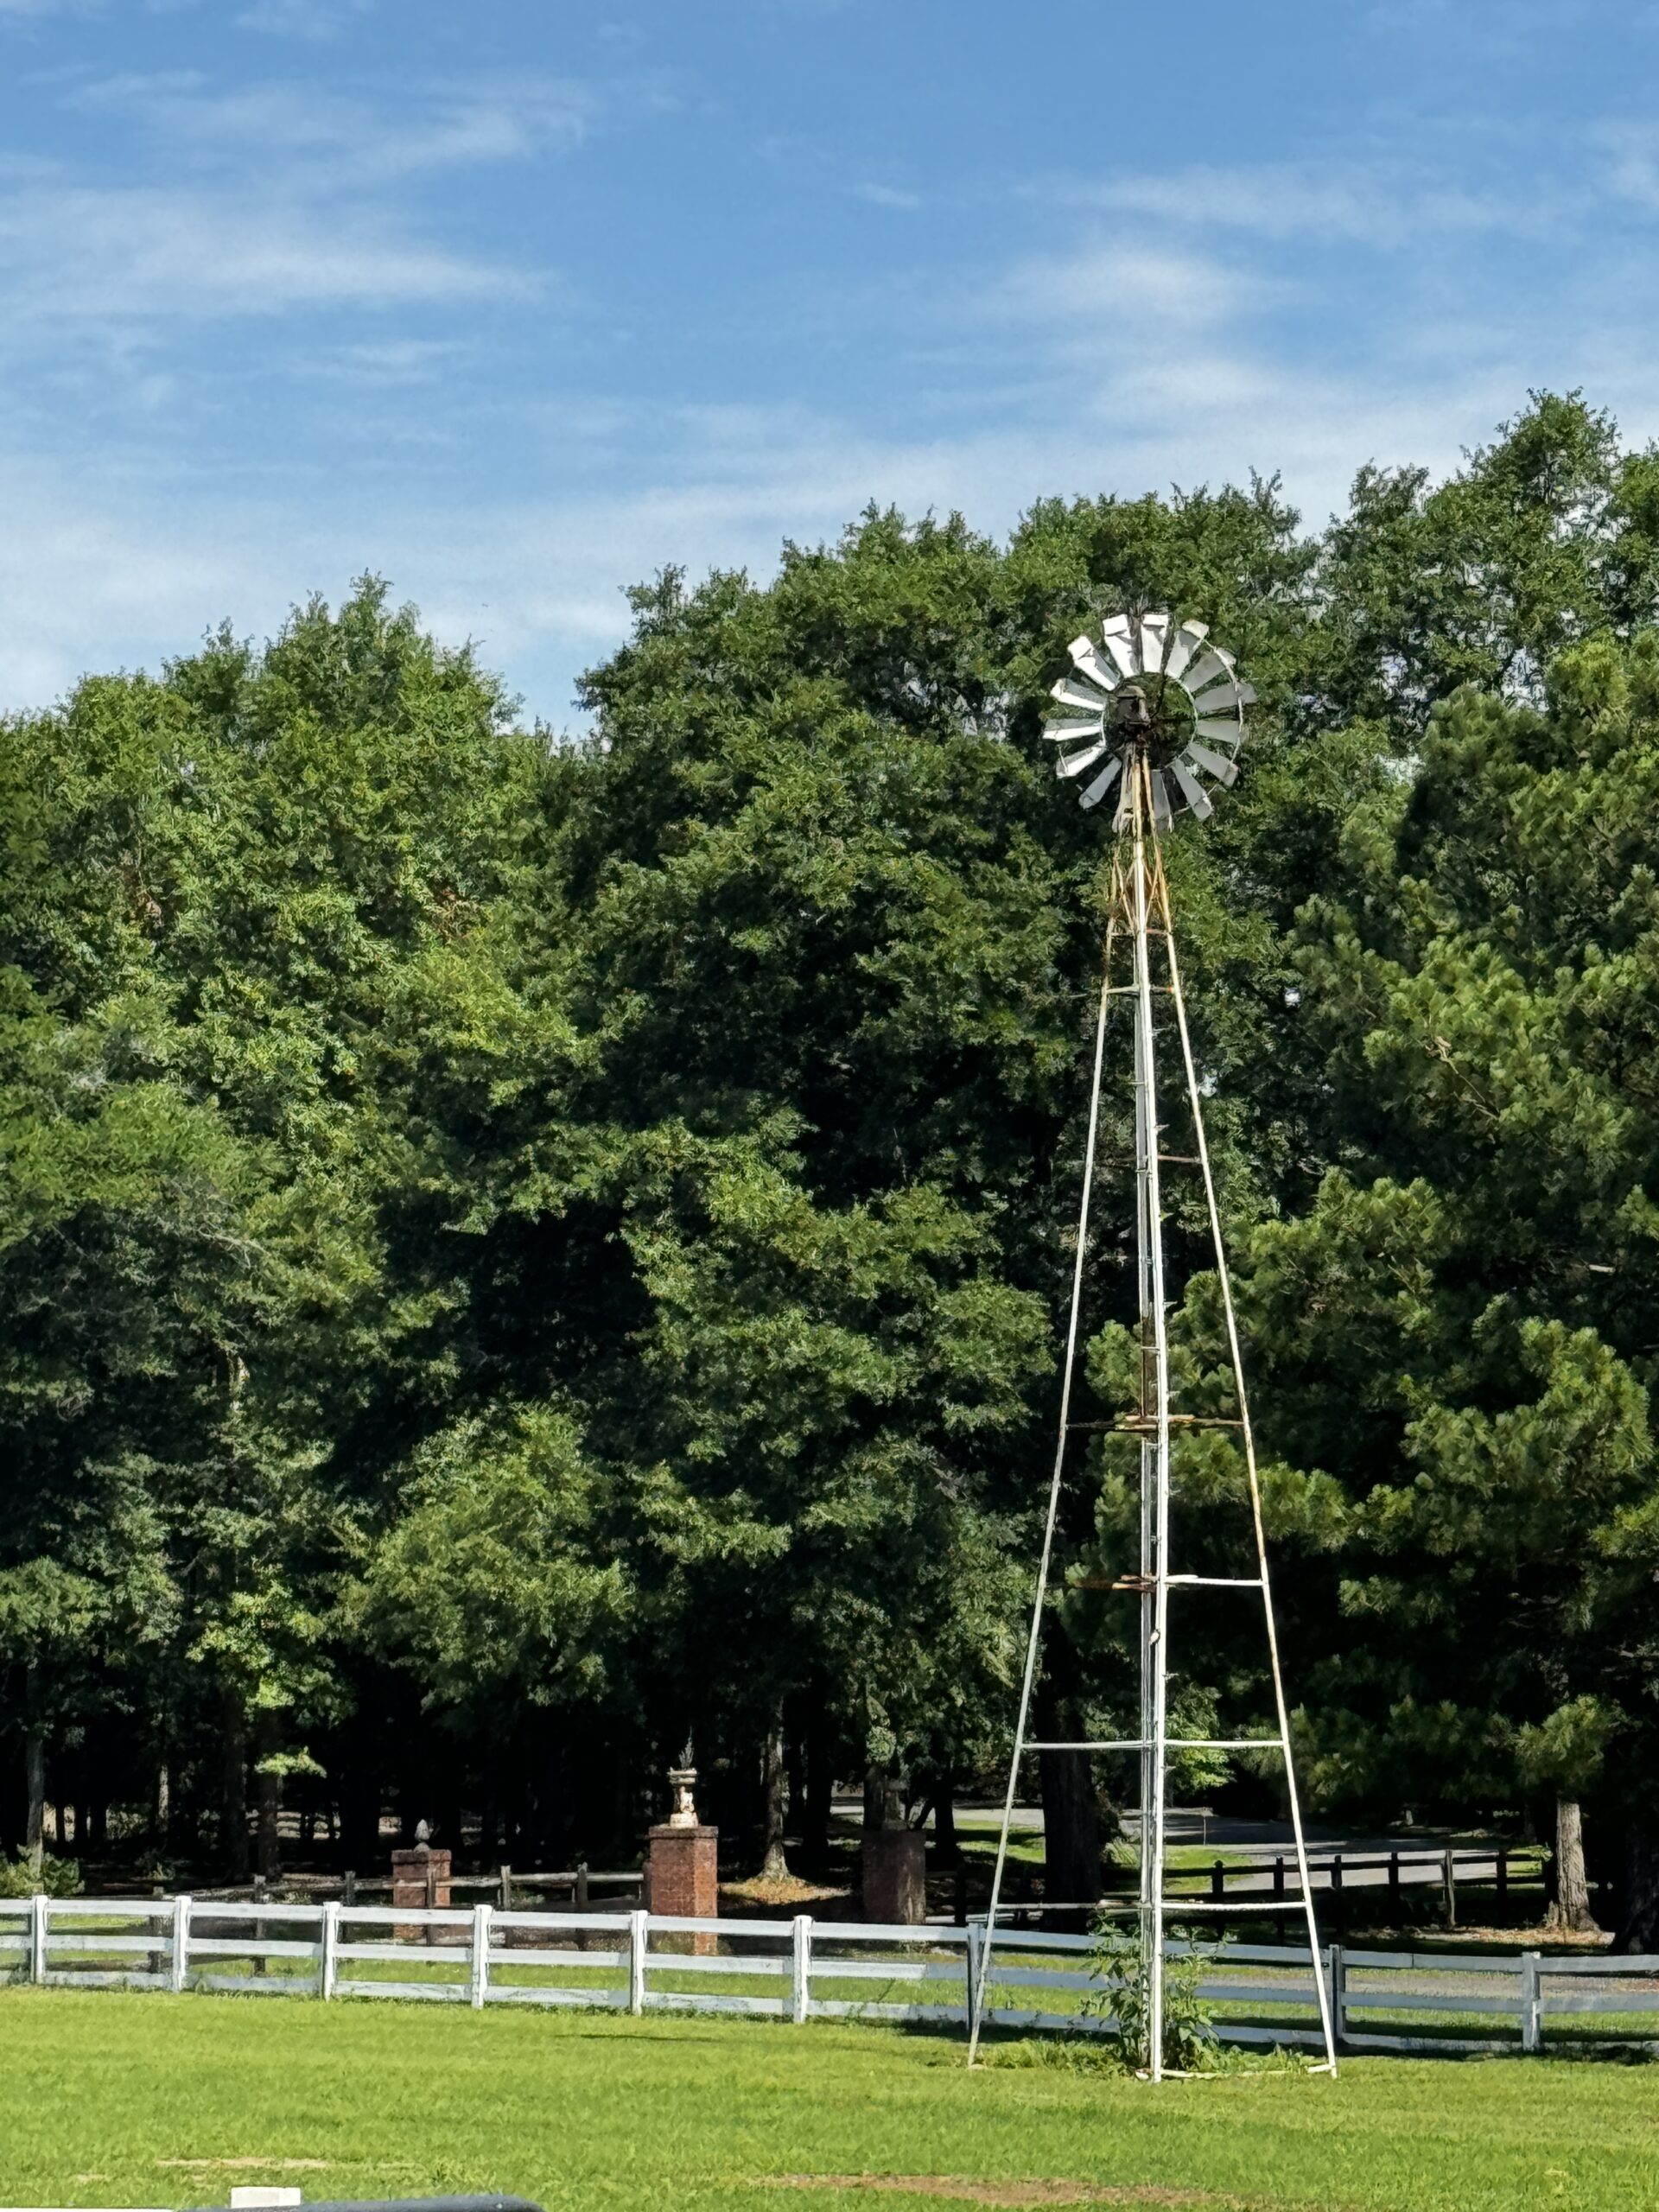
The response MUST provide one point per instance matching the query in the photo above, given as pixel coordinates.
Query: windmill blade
(1225, 733)
(1122, 645)
(1076, 763)
(1184, 644)
(1096, 790)
(1085, 654)
(1076, 695)
(1059, 732)
(1223, 695)
(1213, 764)
(1161, 808)
(1214, 663)
(1192, 789)
(1154, 641)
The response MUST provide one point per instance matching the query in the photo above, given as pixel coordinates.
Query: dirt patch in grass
(251, 2165)
(963, 2189)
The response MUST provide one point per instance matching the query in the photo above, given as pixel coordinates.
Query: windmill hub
(1131, 711)
(1156, 715)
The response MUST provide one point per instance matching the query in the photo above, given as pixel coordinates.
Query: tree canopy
(514, 1249)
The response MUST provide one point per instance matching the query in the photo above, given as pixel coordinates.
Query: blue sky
(517, 302)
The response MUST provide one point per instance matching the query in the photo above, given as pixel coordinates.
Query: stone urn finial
(682, 1779)
(683, 1813)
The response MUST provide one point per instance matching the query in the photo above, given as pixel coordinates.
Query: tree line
(516, 1252)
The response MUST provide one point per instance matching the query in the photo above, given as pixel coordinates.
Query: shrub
(1119, 1964)
(58, 1877)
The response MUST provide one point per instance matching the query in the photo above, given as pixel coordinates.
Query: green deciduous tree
(511, 1250)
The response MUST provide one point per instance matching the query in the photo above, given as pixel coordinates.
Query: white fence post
(329, 1974)
(179, 1964)
(1532, 2002)
(639, 1932)
(39, 1908)
(481, 1955)
(800, 1960)
(1339, 1993)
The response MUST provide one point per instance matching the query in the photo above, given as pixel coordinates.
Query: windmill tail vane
(1154, 710)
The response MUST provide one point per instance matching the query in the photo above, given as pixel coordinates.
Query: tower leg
(1033, 1643)
(1281, 1710)
(1154, 1402)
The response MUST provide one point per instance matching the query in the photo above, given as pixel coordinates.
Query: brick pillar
(420, 1877)
(894, 1870)
(682, 1879)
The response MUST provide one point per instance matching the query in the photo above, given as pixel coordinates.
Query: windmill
(1152, 711)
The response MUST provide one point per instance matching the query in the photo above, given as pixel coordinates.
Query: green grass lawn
(112, 2099)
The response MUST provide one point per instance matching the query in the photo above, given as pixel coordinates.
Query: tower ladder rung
(1293, 1901)
(1171, 1744)
(1146, 1425)
(1144, 1585)
(1285, 1906)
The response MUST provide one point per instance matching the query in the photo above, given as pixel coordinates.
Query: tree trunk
(818, 1806)
(875, 1798)
(1571, 1909)
(1071, 1841)
(233, 1843)
(450, 1824)
(35, 1790)
(270, 1810)
(1638, 1921)
(794, 1778)
(774, 1866)
(622, 1800)
(163, 1824)
(1070, 1828)
(360, 1812)
(947, 1850)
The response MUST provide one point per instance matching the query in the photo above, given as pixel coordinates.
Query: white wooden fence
(802, 1969)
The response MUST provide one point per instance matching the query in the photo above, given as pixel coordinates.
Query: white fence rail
(803, 1969)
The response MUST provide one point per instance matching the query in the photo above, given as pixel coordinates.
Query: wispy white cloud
(1629, 156)
(1495, 26)
(1110, 367)
(398, 361)
(99, 571)
(306, 19)
(75, 255)
(1065, 299)
(1168, 341)
(1382, 204)
(326, 138)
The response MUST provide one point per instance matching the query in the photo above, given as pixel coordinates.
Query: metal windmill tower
(1152, 708)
